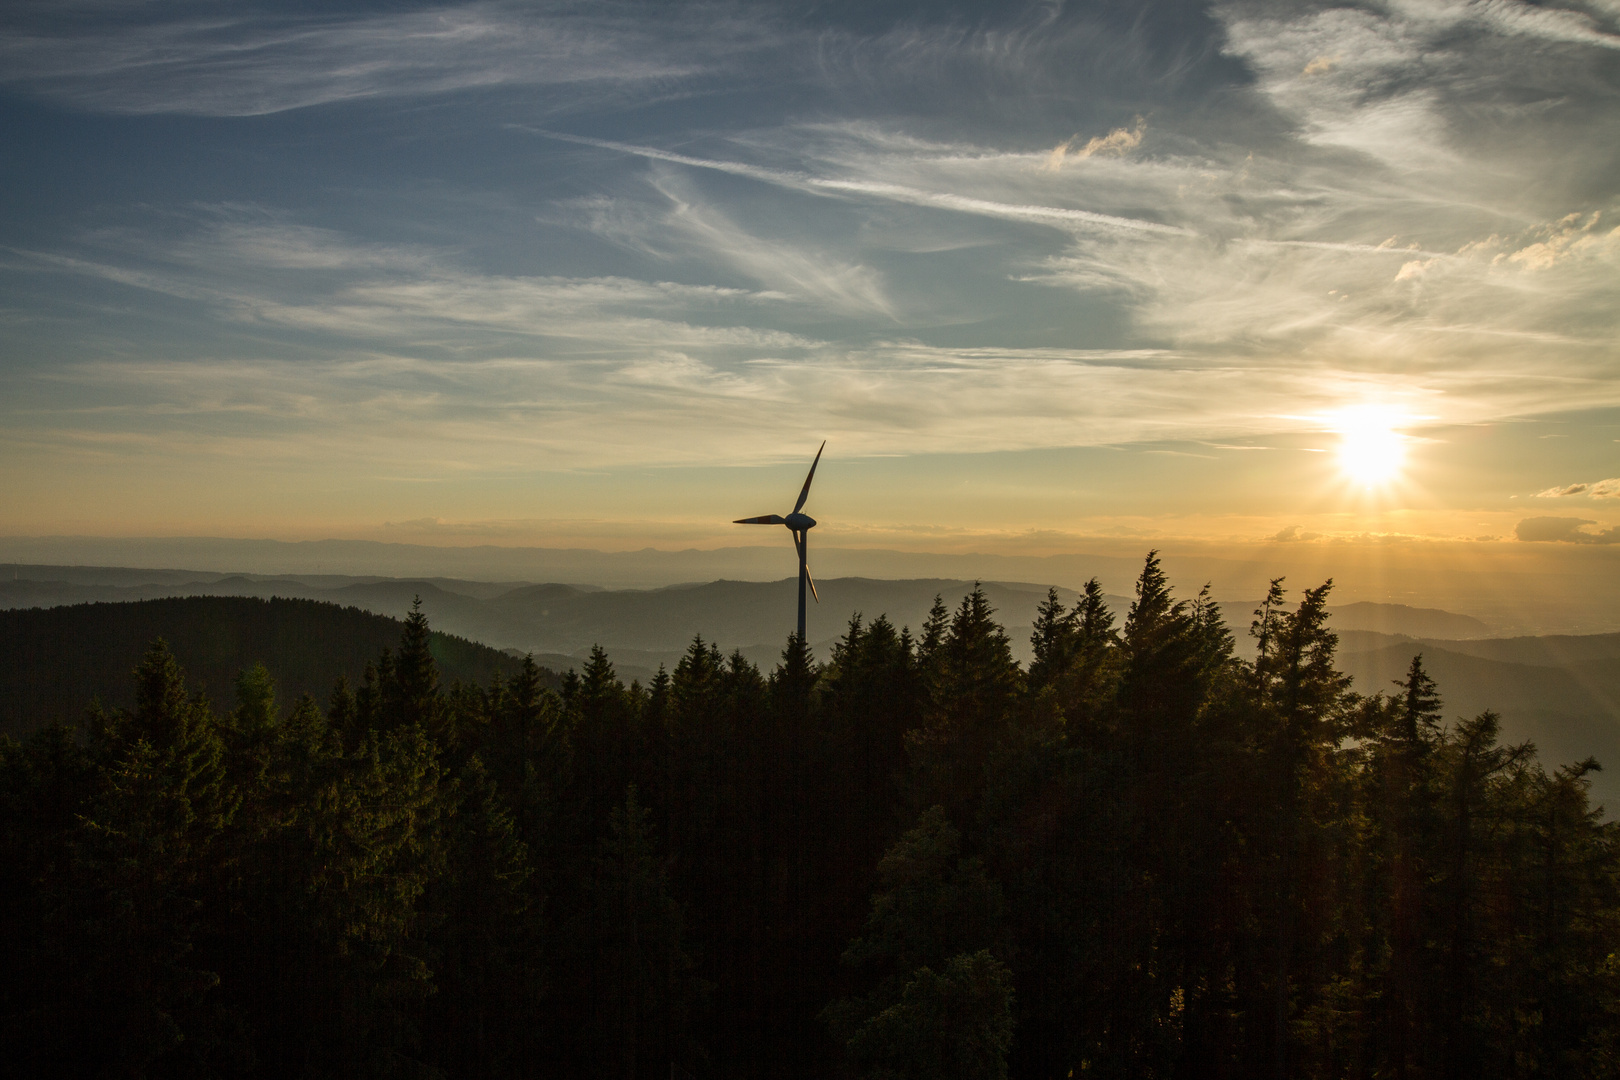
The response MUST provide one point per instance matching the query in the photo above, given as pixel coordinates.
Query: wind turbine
(799, 524)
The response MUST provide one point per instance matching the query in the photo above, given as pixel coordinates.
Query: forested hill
(54, 661)
(1563, 693)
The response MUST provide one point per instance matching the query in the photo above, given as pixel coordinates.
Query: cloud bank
(1566, 530)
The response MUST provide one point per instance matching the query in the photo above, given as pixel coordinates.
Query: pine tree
(932, 902)
(696, 687)
(1161, 685)
(973, 687)
(1404, 819)
(343, 711)
(1473, 761)
(1095, 671)
(487, 938)
(1302, 698)
(641, 982)
(871, 699)
(523, 713)
(956, 1023)
(1055, 641)
(251, 732)
(412, 696)
(149, 835)
(934, 912)
(1094, 622)
(601, 727)
(933, 632)
(1569, 890)
(49, 982)
(658, 697)
(792, 683)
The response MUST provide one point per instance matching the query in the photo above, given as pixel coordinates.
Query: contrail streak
(894, 192)
(1049, 215)
(1359, 249)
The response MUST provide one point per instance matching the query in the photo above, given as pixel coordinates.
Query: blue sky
(606, 274)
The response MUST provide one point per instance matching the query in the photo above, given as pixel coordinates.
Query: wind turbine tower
(799, 524)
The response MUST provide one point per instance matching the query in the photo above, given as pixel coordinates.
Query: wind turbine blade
(768, 519)
(805, 493)
(801, 540)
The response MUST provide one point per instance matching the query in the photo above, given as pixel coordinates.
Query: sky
(607, 274)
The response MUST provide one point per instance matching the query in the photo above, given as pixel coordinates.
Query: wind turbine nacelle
(799, 522)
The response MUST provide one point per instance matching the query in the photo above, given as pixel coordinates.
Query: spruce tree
(412, 696)
(974, 685)
(1404, 820)
(640, 982)
(486, 936)
(1471, 771)
(941, 997)
(149, 835)
(1055, 642)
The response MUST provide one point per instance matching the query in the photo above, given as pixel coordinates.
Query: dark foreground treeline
(1143, 857)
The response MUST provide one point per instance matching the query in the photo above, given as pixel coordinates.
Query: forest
(1145, 855)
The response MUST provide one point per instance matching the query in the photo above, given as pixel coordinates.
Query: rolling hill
(53, 661)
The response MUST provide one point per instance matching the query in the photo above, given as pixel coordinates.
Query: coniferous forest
(1143, 856)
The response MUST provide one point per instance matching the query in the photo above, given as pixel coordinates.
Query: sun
(1372, 449)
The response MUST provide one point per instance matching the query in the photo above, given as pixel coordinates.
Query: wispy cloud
(207, 61)
(546, 366)
(265, 272)
(796, 270)
(666, 405)
(1575, 236)
(1515, 18)
(1116, 143)
(1355, 297)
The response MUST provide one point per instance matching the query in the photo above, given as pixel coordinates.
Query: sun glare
(1372, 449)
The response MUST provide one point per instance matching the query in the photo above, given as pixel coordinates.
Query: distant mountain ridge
(1561, 691)
(558, 618)
(1542, 598)
(569, 619)
(1402, 619)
